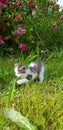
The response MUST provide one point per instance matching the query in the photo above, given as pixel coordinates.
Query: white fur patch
(41, 76)
(32, 64)
(16, 72)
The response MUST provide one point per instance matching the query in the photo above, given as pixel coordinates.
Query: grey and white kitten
(30, 72)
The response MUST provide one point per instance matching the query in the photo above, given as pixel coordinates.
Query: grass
(42, 103)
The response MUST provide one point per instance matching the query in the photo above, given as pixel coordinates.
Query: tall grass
(42, 103)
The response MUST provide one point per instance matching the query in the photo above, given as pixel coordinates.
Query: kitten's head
(20, 70)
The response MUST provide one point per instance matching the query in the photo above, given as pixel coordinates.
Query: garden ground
(42, 103)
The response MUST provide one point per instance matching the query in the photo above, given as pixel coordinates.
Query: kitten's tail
(43, 55)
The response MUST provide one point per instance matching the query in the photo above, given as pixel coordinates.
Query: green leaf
(20, 120)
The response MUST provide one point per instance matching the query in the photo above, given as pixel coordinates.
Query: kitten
(30, 72)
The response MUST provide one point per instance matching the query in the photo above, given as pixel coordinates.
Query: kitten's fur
(30, 72)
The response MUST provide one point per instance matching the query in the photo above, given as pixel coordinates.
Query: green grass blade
(11, 92)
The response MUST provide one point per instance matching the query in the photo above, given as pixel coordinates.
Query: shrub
(29, 22)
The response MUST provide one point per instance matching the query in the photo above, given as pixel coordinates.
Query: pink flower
(19, 31)
(56, 6)
(54, 26)
(2, 42)
(44, 8)
(11, 5)
(23, 47)
(32, 5)
(4, 2)
(1, 27)
(34, 13)
(61, 17)
(2, 39)
(51, 2)
(1, 5)
(17, 41)
(7, 38)
(19, 4)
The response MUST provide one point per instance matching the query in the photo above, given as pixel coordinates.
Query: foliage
(32, 23)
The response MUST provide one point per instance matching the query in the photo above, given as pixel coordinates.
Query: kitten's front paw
(18, 82)
(22, 81)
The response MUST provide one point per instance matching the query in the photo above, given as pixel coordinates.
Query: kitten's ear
(22, 67)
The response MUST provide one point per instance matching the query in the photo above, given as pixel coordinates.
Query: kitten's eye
(23, 67)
